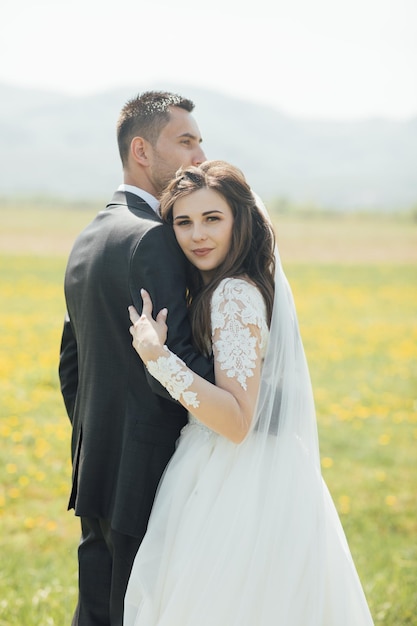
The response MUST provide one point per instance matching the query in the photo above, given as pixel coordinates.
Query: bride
(243, 531)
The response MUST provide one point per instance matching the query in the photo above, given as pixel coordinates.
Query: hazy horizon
(330, 59)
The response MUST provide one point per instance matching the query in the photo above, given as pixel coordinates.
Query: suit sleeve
(68, 367)
(159, 266)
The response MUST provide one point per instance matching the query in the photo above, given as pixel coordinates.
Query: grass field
(354, 280)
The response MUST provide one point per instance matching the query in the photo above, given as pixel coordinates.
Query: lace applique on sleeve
(174, 375)
(236, 306)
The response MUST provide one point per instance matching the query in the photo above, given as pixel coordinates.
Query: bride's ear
(139, 149)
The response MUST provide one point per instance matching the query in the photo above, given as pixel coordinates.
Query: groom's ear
(139, 149)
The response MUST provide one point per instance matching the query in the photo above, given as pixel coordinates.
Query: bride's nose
(199, 232)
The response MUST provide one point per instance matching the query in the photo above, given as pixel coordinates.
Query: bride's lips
(202, 251)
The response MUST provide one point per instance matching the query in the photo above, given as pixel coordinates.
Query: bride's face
(203, 224)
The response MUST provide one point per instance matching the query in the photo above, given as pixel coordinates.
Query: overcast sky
(333, 59)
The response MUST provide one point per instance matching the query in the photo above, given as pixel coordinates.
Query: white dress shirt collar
(145, 195)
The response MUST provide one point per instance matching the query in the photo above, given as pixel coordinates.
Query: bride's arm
(226, 407)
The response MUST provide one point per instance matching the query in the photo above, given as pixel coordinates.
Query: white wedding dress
(243, 535)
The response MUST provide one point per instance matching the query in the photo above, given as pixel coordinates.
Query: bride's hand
(149, 335)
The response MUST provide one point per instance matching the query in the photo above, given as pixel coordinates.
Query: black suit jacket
(125, 424)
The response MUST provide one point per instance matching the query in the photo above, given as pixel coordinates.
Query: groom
(124, 425)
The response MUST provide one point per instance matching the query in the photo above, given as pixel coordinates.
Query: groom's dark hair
(145, 116)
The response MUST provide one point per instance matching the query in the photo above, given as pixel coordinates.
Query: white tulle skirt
(233, 542)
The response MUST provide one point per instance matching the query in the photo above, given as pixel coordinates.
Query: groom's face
(178, 145)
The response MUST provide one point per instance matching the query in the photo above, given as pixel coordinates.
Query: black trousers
(105, 559)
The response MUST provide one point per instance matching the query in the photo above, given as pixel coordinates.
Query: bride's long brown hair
(251, 252)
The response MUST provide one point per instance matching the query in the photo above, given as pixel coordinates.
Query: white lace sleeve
(237, 310)
(239, 333)
(174, 375)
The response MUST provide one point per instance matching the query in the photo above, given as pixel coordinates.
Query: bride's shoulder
(235, 287)
(238, 296)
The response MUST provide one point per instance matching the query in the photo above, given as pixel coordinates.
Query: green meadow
(354, 280)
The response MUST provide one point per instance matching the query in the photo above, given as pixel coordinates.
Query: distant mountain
(54, 144)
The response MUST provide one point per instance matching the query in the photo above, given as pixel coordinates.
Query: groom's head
(157, 134)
